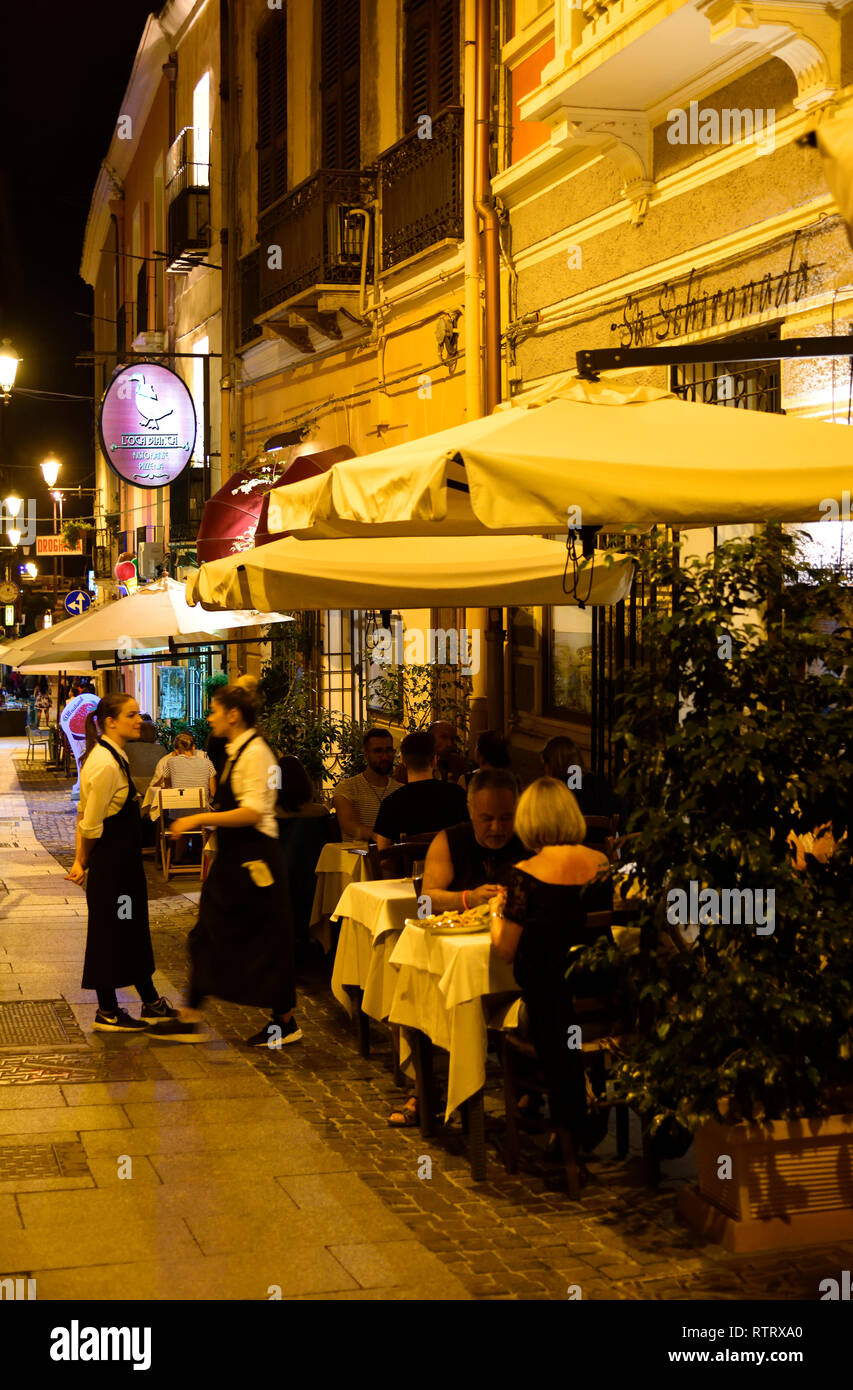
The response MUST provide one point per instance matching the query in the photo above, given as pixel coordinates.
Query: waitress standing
(109, 845)
(241, 948)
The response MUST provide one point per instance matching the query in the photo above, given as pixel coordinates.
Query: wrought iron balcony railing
(188, 199)
(422, 190)
(308, 238)
(250, 296)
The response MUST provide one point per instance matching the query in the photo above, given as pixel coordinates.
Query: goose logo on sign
(147, 424)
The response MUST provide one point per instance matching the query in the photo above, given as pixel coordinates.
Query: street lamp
(50, 470)
(8, 367)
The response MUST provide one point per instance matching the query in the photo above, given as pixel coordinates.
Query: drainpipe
(170, 71)
(227, 244)
(485, 206)
(473, 362)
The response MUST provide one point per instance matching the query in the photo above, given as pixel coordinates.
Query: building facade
(655, 190)
(152, 254)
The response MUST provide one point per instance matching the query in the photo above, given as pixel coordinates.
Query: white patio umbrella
(145, 620)
(35, 654)
(413, 572)
(618, 459)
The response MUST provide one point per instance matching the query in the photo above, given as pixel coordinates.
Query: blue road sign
(77, 602)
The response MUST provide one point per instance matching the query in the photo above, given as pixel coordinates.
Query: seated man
(466, 864)
(358, 799)
(424, 803)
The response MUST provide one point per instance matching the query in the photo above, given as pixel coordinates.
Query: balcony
(309, 243)
(188, 200)
(250, 296)
(422, 190)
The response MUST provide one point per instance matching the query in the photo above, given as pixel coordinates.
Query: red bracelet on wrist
(465, 900)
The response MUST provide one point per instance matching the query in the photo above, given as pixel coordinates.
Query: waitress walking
(241, 948)
(109, 845)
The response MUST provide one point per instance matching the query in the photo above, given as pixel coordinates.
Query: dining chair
(397, 862)
(38, 738)
(604, 1032)
(602, 832)
(188, 800)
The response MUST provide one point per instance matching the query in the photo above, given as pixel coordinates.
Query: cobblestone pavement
(512, 1236)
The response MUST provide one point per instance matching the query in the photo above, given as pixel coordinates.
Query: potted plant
(737, 732)
(74, 531)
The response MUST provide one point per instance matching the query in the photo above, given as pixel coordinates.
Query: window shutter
(340, 68)
(431, 79)
(447, 54)
(272, 110)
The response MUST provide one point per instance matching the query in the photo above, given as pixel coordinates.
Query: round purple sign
(147, 425)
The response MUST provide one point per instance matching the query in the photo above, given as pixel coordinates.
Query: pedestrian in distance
(109, 846)
(241, 948)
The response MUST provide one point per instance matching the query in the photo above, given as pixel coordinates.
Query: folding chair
(188, 800)
(35, 738)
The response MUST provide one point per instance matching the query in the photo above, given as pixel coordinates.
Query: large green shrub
(738, 730)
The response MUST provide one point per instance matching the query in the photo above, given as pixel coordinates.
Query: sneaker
(276, 1034)
(162, 1009)
(174, 1030)
(119, 1022)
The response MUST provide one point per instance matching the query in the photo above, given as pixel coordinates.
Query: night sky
(63, 71)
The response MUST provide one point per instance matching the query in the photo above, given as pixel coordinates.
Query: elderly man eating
(467, 864)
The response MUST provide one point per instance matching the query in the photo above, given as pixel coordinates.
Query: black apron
(118, 943)
(241, 948)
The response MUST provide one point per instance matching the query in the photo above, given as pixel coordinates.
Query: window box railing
(422, 190)
(308, 238)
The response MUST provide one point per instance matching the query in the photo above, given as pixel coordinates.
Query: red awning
(235, 518)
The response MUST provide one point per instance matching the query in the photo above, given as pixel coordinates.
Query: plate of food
(475, 919)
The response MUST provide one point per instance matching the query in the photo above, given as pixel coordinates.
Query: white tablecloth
(371, 916)
(338, 866)
(442, 988)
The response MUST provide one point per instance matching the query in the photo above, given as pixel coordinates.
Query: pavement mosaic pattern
(28, 1161)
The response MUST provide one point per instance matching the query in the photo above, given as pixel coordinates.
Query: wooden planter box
(791, 1184)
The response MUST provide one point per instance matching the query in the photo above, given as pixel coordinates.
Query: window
(738, 385)
(142, 299)
(340, 84)
(431, 77)
(201, 123)
(570, 660)
(272, 110)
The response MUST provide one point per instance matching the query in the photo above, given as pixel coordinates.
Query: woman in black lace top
(541, 917)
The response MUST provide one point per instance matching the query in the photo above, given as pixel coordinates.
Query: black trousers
(108, 1003)
(195, 999)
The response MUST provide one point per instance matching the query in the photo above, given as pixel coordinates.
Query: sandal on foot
(406, 1117)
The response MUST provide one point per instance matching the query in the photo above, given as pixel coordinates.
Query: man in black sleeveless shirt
(466, 864)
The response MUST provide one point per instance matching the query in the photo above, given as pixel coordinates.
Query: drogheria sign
(147, 425)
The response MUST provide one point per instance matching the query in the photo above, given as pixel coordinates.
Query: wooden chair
(188, 800)
(398, 861)
(604, 1030)
(602, 831)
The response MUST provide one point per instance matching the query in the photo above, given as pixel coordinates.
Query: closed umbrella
(579, 453)
(410, 573)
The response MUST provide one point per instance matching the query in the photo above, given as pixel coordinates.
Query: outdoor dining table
(340, 863)
(371, 916)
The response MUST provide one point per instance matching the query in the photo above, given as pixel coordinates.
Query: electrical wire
(572, 559)
(51, 395)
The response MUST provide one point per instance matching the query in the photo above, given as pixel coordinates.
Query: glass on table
(418, 876)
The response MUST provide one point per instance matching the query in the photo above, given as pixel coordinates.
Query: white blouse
(254, 780)
(103, 789)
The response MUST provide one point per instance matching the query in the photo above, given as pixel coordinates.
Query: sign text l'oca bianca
(56, 545)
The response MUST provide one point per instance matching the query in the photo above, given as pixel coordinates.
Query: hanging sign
(57, 545)
(147, 425)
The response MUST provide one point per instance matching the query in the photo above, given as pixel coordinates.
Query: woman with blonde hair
(537, 921)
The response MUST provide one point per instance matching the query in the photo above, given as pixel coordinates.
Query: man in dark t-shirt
(467, 863)
(422, 804)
